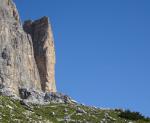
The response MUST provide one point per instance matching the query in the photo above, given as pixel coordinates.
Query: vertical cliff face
(44, 52)
(25, 62)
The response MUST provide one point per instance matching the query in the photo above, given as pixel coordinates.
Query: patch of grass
(11, 111)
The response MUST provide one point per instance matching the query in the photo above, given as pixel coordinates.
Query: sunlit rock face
(27, 60)
(8, 11)
(44, 51)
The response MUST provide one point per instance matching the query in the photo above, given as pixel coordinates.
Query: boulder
(57, 98)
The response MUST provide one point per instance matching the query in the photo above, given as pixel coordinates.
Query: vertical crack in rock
(44, 51)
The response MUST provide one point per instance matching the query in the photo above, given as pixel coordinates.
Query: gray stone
(57, 98)
(65, 110)
(1, 86)
(79, 110)
(24, 93)
(53, 113)
(67, 118)
(24, 102)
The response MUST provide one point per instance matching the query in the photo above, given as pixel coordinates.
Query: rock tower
(44, 51)
(27, 54)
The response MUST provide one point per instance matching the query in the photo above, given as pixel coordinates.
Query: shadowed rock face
(25, 62)
(44, 51)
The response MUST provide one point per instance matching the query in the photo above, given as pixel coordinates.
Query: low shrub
(127, 114)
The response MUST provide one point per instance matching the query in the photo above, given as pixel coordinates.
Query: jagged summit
(27, 54)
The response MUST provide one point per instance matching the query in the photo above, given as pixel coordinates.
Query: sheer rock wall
(27, 60)
(44, 51)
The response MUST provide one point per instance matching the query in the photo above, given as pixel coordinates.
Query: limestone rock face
(8, 11)
(44, 52)
(26, 59)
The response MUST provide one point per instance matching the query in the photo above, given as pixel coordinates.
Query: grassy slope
(11, 111)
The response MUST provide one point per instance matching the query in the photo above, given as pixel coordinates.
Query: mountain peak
(27, 53)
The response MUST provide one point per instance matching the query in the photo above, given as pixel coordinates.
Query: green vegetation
(133, 115)
(11, 111)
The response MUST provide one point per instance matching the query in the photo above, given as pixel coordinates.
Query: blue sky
(102, 48)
